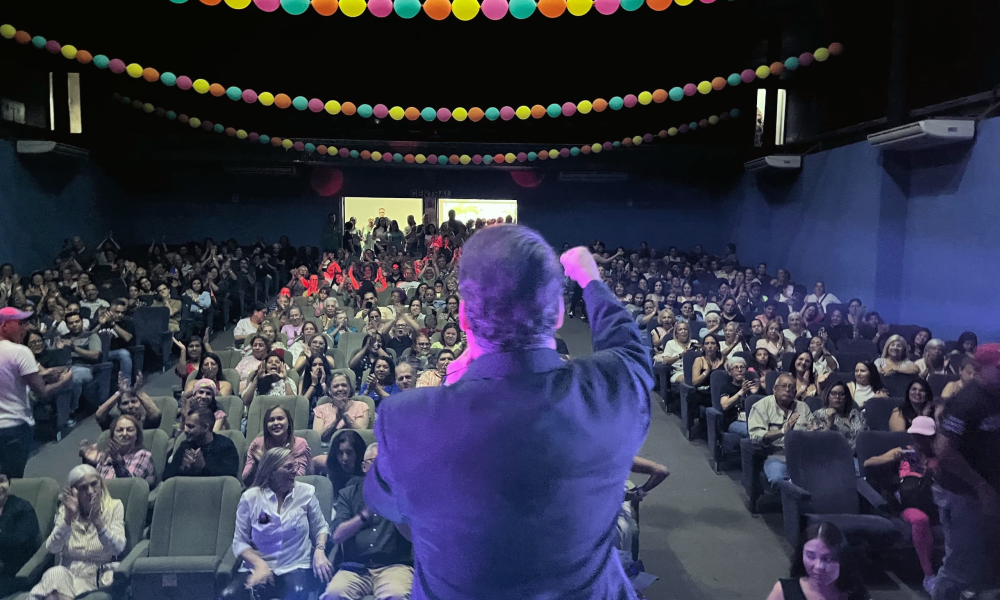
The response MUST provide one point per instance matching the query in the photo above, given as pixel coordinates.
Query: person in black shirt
(18, 535)
(734, 394)
(967, 493)
(202, 453)
(122, 333)
(377, 553)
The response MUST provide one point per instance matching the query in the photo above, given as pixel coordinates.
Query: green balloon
(631, 5)
(574, 151)
(300, 103)
(101, 61)
(310, 148)
(171, 115)
(487, 159)
(295, 7)
(616, 144)
(791, 63)
(693, 125)
(532, 156)
(365, 110)
(233, 93)
(38, 41)
(735, 113)
(178, 1)
(406, 8)
(428, 114)
(554, 110)
(442, 159)
(734, 80)
(264, 139)
(397, 157)
(522, 9)
(492, 113)
(218, 128)
(168, 79)
(616, 103)
(354, 154)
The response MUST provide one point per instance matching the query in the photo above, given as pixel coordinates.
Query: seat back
(324, 493)
(861, 346)
(312, 438)
(156, 441)
(233, 377)
(297, 406)
(168, 411)
(897, 383)
(875, 443)
(339, 358)
(194, 516)
(769, 380)
(837, 377)
(846, 361)
(822, 463)
(716, 380)
(371, 407)
(688, 364)
(42, 494)
(937, 383)
(878, 410)
(241, 444)
(233, 407)
(229, 358)
(814, 403)
(134, 495)
(751, 400)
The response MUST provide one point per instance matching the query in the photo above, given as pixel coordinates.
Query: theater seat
(134, 495)
(233, 407)
(324, 493)
(187, 555)
(752, 455)
(229, 358)
(938, 383)
(168, 409)
(723, 445)
(43, 495)
(898, 383)
(297, 406)
(154, 440)
(312, 438)
(233, 377)
(878, 410)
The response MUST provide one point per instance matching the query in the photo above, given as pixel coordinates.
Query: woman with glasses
(839, 413)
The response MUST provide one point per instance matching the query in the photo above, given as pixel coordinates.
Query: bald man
(771, 418)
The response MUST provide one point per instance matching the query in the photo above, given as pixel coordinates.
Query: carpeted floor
(696, 533)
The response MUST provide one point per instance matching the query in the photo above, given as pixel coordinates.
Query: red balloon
(327, 181)
(527, 179)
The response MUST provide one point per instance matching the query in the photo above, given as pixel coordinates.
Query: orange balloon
(347, 108)
(276, 141)
(211, 2)
(84, 57)
(22, 37)
(411, 113)
(777, 68)
(659, 4)
(552, 8)
(538, 111)
(453, 159)
(149, 74)
(600, 104)
(281, 100)
(216, 90)
(325, 7)
(437, 9)
(719, 83)
(660, 96)
(476, 114)
(366, 154)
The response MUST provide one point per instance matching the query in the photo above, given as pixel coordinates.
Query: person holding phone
(734, 394)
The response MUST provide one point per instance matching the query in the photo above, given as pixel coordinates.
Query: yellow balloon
(509, 158)
(266, 98)
(238, 4)
(704, 87)
(332, 107)
(332, 151)
(286, 144)
(763, 71)
(578, 8)
(553, 154)
(148, 108)
(201, 86)
(596, 148)
(396, 112)
(584, 107)
(637, 140)
(7, 31)
(194, 122)
(135, 71)
(376, 156)
(645, 98)
(69, 51)
(353, 8)
(713, 120)
(460, 114)
(241, 134)
(683, 2)
(465, 10)
(420, 159)
(672, 131)
(522, 112)
(465, 159)
(821, 54)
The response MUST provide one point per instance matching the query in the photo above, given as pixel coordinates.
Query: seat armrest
(175, 564)
(794, 504)
(714, 421)
(793, 492)
(752, 455)
(31, 572)
(874, 499)
(226, 569)
(124, 570)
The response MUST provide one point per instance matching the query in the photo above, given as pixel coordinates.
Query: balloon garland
(390, 156)
(463, 10)
(398, 113)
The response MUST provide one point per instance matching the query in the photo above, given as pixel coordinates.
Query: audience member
(85, 351)
(343, 462)
(18, 535)
(131, 401)
(966, 375)
(250, 363)
(378, 557)
(734, 394)
(866, 385)
(281, 534)
(381, 382)
(452, 338)
(774, 416)
(298, 345)
(896, 358)
(919, 402)
(840, 414)
(270, 379)
(203, 393)
(279, 432)
(933, 360)
(435, 377)
(248, 326)
(822, 568)
(626, 523)
(774, 341)
(342, 412)
(89, 533)
(317, 347)
(125, 455)
(174, 306)
(119, 328)
(316, 379)
(821, 297)
(823, 362)
(92, 302)
(210, 367)
(202, 453)
(190, 357)
(805, 378)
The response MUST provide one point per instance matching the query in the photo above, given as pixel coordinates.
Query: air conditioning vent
(46, 148)
(249, 171)
(778, 162)
(925, 134)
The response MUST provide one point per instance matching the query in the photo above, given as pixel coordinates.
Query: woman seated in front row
(281, 534)
(822, 569)
(89, 533)
(279, 432)
(125, 455)
(734, 395)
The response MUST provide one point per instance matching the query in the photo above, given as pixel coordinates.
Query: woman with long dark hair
(840, 414)
(805, 378)
(867, 384)
(822, 568)
(210, 367)
(279, 432)
(343, 462)
(919, 402)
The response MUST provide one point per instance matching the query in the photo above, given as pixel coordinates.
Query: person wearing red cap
(18, 373)
(967, 493)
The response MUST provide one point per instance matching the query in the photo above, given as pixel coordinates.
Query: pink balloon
(527, 179)
(267, 5)
(380, 8)
(249, 96)
(443, 114)
(343, 153)
(647, 138)
(564, 152)
(298, 146)
(477, 159)
(521, 157)
(568, 109)
(116, 65)
(433, 159)
(748, 75)
(606, 7)
(316, 105)
(254, 136)
(806, 59)
(380, 111)
(507, 113)
(387, 157)
(631, 100)
(607, 145)
(53, 46)
(494, 9)
(690, 89)
(183, 82)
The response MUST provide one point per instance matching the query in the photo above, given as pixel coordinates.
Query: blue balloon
(532, 156)
(264, 139)
(38, 41)
(428, 114)
(733, 80)
(791, 63)
(616, 103)
(522, 9)
(406, 8)
(735, 113)
(295, 7)
(397, 157)
(676, 94)
(300, 103)
(310, 148)
(574, 151)
(492, 113)
(442, 159)
(365, 110)
(616, 144)
(354, 154)
(218, 128)
(168, 79)
(631, 5)
(554, 110)
(487, 159)
(171, 115)
(101, 61)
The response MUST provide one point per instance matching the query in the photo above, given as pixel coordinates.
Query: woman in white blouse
(796, 328)
(896, 358)
(674, 350)
(775, 342)
(280, 534)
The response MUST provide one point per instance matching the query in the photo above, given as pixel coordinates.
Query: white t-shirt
(16, 363)
(245, 327)
(791, 337)
(824, 300)
(671, 349)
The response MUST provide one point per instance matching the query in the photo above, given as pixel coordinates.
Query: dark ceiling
(948, 50)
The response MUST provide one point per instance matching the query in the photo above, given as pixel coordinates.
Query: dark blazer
(512, 478)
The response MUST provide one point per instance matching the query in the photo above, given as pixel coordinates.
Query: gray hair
(934, 342)
(372, 447)
(268, 464)
(510, 280)
(735, 360)
(79, 472)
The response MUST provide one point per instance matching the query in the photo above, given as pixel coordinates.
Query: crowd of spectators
(374, 312)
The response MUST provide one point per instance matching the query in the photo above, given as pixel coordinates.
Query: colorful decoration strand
(398, 113)
(393, 156)
(463, 10)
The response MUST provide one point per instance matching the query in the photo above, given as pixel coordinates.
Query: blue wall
(41, 203)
